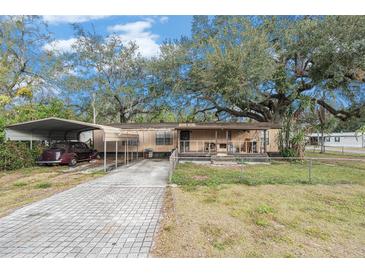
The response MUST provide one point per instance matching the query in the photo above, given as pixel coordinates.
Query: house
(197, 139)
(158, 139)
(338, 139)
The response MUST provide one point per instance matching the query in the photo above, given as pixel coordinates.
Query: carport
(57, 129)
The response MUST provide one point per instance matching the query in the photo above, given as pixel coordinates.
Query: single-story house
(338, 139)
(196, 139)
(158, 139)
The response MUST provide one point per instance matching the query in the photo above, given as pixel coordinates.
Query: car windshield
(60, 146)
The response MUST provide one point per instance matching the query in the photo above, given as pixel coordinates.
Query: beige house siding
(198, 138)
(147, 140)
(273, 145)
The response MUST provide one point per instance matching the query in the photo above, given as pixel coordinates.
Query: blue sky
(147, 31)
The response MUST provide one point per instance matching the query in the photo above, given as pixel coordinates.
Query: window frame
(163, 138)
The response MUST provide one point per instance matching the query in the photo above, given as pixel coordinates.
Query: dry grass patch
(21, 187)
(263, 221)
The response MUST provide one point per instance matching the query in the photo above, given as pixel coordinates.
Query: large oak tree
(266, 68)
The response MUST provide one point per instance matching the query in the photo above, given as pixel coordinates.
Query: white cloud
(60, 46)
(164, 19)
(140, 33)
(58, 19)
(135, 27)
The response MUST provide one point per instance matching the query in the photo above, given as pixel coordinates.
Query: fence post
(241, 174)
(173, 161)
(310, 170)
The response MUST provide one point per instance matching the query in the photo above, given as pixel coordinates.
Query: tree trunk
(123, 116)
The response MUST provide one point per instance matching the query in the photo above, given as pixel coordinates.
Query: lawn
(278, 172)
(21, 187)
(215, 213)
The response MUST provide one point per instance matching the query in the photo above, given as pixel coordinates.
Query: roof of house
(207, 125)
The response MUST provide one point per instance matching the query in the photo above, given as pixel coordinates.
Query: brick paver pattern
(113, 216)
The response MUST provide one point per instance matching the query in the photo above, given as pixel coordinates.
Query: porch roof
(225, 125)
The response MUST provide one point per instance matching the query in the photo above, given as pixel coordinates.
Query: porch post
(216, 141)
(116, 154)
(265, 140)
(227, 141)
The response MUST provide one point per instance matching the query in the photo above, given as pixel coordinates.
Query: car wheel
(73, 162)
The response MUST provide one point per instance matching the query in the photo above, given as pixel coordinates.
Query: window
(133, 142)
(337, 139)
(327, 139)
(163, 138)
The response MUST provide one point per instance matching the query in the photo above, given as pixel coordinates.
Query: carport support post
(125, 152)
(31, 141)
(137, 150)
(104, 154)
(116, 154)
(132, 154)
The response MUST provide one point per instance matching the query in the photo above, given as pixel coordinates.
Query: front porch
(222, 142)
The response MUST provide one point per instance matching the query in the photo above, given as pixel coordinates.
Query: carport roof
(54, 123)
(44, 127)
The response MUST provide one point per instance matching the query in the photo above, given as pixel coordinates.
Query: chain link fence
(270, 170)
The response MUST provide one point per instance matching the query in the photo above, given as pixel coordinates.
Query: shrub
(15, 155)
(289, 152)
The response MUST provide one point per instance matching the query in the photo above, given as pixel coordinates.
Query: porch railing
(220, 146)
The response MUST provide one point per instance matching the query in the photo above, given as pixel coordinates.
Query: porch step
(254, 157)
(194, 157)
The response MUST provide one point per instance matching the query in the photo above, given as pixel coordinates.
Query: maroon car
(67, 153)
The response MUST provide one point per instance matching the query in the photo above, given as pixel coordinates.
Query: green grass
(287, 220)
(333, 154)
(43, 185)
(20, 184)
(326, 172)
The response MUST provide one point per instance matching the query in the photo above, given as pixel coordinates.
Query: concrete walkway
(112, 216)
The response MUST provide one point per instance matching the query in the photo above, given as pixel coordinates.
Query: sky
(148, 32)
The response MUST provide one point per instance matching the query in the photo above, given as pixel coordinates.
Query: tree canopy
(263, 68)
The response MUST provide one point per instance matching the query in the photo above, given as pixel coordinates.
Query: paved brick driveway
(112, 216)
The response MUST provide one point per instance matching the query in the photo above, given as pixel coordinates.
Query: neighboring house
(338, 139)
(218, 138)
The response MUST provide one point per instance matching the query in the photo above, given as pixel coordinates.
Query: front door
(184, 140)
